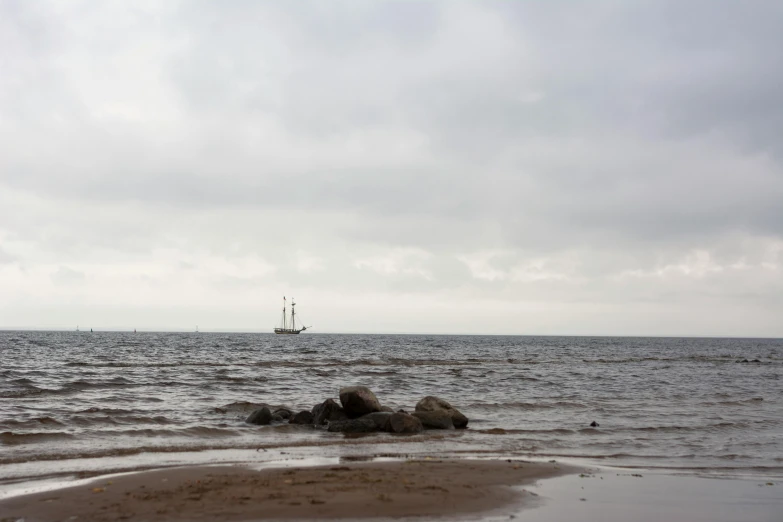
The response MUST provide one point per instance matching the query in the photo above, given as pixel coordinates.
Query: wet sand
(426, 487)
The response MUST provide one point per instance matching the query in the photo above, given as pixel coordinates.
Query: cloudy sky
(603, 167)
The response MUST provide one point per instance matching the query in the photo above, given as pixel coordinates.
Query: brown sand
(365, 490)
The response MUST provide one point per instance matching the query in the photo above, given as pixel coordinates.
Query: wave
(685, 358)
(525, 405)
(191, 432)
(10, 438)
(118, 411)
(82, 384)
(392, 361)
(239, 380)
(721, 426)
(108, 420)
(323, 373)
(505, 431)
(381, 439)
(738, 402)
(177, 364)
(28, 391)
(707, 428)
(36, 422)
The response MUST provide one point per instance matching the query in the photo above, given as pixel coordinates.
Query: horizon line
(269, 332)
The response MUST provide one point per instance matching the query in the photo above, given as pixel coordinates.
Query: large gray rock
(431, 403)
(360, 425)
(358, 401)
(328, 411)
(260, 416)
(380, 418)
(435, 420)
(404, 423)
(303, 417)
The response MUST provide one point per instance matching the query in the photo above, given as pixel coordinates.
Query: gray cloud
(524, 156)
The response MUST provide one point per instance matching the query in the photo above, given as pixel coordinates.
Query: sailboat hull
(286, 331)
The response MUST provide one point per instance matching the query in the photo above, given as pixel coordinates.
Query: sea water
(123, 400)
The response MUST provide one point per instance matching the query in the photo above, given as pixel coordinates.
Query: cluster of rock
(359, 411)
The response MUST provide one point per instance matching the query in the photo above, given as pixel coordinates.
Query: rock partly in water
(260, 416)
(404, 423)
(594, 424)
(387, 408)
(285, 413)
(358, 401)
(303, 417)
(435, 420)
(328, 411)
(360, 425)
(381, 419)
(431, 403)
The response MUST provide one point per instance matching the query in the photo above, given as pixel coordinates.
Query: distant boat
(289, 325)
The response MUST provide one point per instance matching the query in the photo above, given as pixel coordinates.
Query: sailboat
(289, 325)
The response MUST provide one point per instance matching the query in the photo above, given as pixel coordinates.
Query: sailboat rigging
(289, 325)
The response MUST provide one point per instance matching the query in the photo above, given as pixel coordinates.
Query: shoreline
(421, 487)
(416, 487)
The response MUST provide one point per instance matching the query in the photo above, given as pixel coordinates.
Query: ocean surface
(690, 405)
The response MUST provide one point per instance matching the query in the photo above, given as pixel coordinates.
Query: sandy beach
(422, 487)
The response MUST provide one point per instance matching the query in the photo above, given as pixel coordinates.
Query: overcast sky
(603, 167)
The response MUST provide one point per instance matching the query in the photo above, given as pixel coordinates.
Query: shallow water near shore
(682, 405)
(612, 495)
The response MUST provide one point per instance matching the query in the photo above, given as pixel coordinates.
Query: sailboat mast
(293, 321)
(283, 312)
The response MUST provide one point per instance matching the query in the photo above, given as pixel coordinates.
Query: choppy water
(685, 404)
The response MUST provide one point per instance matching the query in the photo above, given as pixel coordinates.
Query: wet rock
(387, 408)
(380, 418)
(260, 416)
(360, 425)
(303, 417)
(404, 423)
(358, 401)
(328, 411)
(284, 413)
(431, 403)
(594, 424)
(435, 420)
